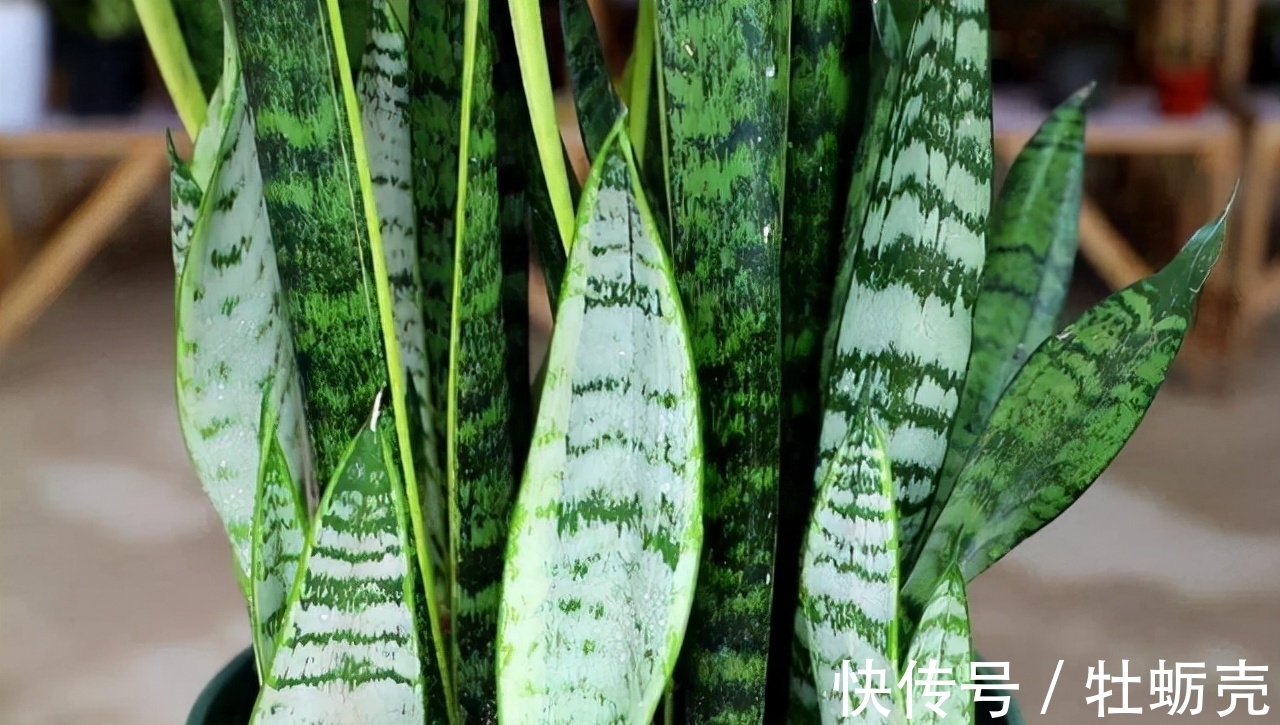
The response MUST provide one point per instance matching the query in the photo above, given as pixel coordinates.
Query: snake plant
(807, 378)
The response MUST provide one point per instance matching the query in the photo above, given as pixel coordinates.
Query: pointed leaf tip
(1082, 96)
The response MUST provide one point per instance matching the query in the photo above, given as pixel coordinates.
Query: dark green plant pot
(228, 698)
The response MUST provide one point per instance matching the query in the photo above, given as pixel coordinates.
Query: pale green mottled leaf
(607, 530)
(233, 347)
(849, 567)
(941, 654)
(383, 89)
(280, 524)
(349, 652)
(906, 329)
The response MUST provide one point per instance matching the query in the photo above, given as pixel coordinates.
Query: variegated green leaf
(201, 24)
(725, 74)
(849, 567)
(1031, 251)
(349, 652)
(803, 690)
(941, 652)
(188, 180)
(234, 347)
(607, 531)
(829, 49)
(907, 327)
(184, 206)
(317, 209)
(597, 106)
(435, 82)
(169, 49)
(482, 482)
(280, 524)
(384, 111)
(1066, 415)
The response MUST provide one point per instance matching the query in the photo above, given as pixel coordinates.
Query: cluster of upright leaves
(804, 383)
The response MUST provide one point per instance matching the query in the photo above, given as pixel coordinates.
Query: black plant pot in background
(105, 77)
(229, 697)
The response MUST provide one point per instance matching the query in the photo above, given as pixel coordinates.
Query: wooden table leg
(1110, 254)
(10, 255)
(79, 238)
(1253, 227)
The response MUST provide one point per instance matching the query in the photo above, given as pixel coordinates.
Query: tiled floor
(117, 601)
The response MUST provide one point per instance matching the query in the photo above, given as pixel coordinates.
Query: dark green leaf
(725, 75)
(482, 479)
(1031, 251)
(1066, 415)
(597, 106)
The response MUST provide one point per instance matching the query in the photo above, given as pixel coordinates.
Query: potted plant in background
(25, 60)
(806, 379)
(103, 56)
(1179, 41)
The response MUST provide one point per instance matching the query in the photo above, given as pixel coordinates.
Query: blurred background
(117, 599)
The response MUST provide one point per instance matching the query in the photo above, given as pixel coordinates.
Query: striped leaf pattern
(280, 523)
(942, 652)
(349, 653)
(849, 568)
(233, 343)
(828, 86)
(1066, 415)
(597, 106)
(481, 480)
(435, 81)
(184, 206)
(384, 109)
(725, 78)
(907, 328)
(1031, 251)
(883, 79)
(607, 530)
(317, 214)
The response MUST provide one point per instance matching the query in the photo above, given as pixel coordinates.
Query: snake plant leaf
(597, 106)
(184, 205)
(322, 240)
(200, 22)
(849, 567)
(280, 523)
(803, 690)
(169, 48)
(941, 653)
(234, 348)
(1066, 415)
(482, 483)
(883, 78)
(188, 180)
(1031, 251)
(531, 53)
(829, 44)
(435, 80)
(383, 89)
(607, 530)
(907, 327)
(349, 651)
(725, 72)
